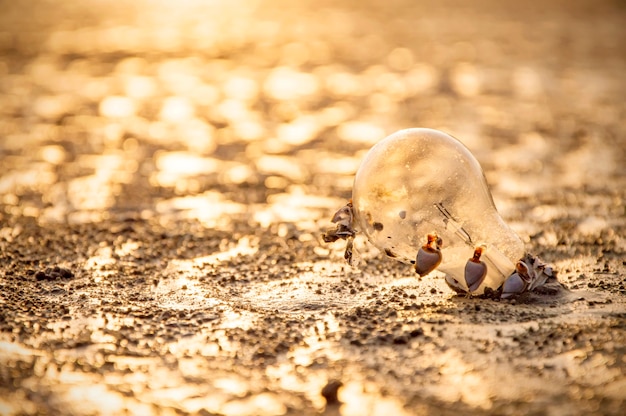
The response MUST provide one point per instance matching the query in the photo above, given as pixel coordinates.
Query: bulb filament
(458, 230)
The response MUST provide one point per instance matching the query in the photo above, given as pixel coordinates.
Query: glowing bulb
(420, 183)
(421, 197)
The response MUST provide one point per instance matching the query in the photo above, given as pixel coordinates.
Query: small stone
(329, 391)
(57, 291)
(66, 273)
(401, 340)
(356, 342)
(416, 332)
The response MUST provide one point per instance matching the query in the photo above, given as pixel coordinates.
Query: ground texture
(167, 170)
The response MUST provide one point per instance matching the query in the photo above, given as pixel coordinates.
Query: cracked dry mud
(167, 170)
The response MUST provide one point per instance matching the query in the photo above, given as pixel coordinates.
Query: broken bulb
(421, 197)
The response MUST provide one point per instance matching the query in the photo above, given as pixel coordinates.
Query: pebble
(54, 273)
(330, 390)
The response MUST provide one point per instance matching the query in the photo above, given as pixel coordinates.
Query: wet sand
(167, 172)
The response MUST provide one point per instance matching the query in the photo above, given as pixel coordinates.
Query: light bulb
(421, 197)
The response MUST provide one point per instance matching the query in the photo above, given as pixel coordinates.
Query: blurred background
(218, 109)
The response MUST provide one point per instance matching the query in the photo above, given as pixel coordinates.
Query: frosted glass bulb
(421, 190)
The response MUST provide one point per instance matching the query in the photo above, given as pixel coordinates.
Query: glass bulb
(421, 197)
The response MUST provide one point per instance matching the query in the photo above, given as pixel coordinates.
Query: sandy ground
(166, 173)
